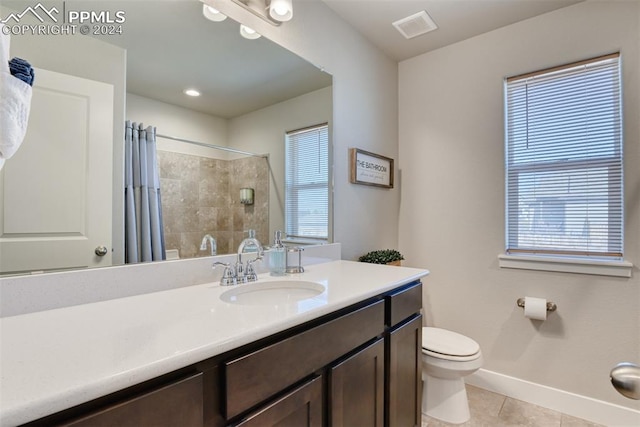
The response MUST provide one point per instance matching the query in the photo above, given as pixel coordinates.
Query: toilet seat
(448, 345)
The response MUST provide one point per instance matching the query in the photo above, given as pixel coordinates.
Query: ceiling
(171, 46)
(456, 20)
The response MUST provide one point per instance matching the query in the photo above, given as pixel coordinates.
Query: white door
(56, 191)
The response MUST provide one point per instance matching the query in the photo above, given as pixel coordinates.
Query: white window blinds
(307, 183)
(564, 160)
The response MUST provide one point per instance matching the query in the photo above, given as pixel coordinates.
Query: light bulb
(191, 92)
(248, 33)
(213, 14)
(281, 10)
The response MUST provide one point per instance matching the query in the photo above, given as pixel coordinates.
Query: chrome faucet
(250, 245)
(239, 272)
(212, 242)
(246, 273)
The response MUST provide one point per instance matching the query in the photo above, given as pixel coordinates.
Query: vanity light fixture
(249, 33)
(246, 196)
(213, 14)
(274, 12)
(191, 92)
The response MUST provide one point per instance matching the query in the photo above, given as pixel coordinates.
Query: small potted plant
(382, 256)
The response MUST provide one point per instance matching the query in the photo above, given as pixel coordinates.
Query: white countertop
(53, 360)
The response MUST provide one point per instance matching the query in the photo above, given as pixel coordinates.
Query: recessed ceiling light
(191, 92)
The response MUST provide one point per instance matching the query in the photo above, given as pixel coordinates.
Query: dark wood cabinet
(176, 404)
(405, 373)
(356, 388)
(301, 407)
(254, 377)
(358, 366)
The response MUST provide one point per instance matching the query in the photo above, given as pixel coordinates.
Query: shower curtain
(144, 236)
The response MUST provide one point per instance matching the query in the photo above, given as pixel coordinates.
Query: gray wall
(452, 213)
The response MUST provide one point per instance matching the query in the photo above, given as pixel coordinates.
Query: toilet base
(447, 399)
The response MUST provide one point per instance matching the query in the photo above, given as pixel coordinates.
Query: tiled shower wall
(201, 195)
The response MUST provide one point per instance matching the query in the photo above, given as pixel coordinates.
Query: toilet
(447, 357)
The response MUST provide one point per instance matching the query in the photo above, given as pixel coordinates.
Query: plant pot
(397, 263)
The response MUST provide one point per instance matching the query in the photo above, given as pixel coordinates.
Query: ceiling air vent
(415, 25)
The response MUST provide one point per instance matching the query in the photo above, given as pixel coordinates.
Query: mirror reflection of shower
(201, 207)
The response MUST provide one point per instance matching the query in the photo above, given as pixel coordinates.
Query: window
(307, 183)
(564, 161)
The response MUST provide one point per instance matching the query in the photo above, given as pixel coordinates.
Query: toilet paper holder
(551, 306)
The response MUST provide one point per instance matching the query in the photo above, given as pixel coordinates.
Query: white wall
(181, 123)
(365, 114)
(452, 209)
(263, 131)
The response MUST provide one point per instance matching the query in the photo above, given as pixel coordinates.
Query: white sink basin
(279, 292)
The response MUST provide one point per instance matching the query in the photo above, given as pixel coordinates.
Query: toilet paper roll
(535, 308)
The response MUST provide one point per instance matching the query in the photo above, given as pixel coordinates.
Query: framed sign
(370, 169)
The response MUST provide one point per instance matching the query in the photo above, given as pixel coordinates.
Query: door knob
(101, 250)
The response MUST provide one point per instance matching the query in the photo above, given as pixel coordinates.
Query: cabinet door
(357, 388)
(300, 408)
(405, 374)
(177, 404)
(254, 378)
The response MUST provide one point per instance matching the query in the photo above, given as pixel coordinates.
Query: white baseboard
(587, 408)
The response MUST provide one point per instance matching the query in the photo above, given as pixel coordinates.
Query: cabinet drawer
(404, 303)
(255, 377)
(177, 404)
(301, 408)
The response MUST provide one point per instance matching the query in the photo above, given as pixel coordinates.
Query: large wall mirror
(251, 93)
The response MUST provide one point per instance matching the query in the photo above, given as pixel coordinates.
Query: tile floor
(490, 409)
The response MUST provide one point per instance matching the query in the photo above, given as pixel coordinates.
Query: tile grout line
(502, 406)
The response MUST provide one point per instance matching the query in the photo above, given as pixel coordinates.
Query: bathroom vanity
(349, 355)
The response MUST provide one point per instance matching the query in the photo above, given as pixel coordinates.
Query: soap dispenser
(277, 256)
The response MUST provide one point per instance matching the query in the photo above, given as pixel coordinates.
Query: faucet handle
(250, 272)
(228, 275)
(258, 258)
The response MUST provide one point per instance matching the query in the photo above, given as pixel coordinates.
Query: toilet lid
(447, 342)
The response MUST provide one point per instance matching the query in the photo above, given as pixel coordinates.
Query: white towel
(15, 104)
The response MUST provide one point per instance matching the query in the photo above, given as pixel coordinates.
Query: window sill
(566, 265)
(304, 242)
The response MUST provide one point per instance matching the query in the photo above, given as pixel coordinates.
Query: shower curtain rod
(218, 147)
